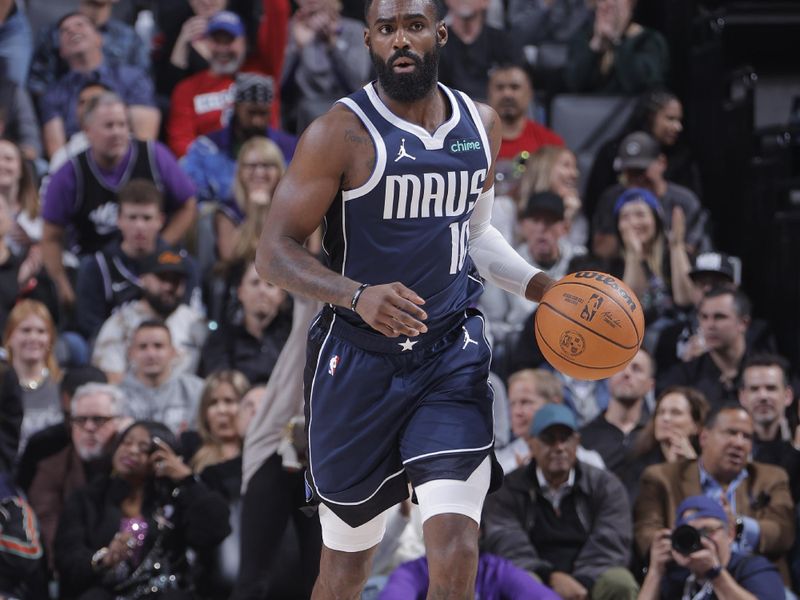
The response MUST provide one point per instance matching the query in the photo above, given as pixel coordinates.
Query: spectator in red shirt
(202, 102)
(510, 94)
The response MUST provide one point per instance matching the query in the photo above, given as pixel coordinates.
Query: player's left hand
(392, 309)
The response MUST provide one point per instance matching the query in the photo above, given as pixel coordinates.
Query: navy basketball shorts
(381, 412)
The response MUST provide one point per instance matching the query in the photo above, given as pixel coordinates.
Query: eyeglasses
(97, 420)
(258, 165)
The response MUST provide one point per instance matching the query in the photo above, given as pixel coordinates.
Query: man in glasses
(565, 521)
(94, 421)
(712, 570)
(755, 495)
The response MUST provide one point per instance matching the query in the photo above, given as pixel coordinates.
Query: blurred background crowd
(151, 422)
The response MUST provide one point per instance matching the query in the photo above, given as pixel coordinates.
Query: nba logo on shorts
(334, 362)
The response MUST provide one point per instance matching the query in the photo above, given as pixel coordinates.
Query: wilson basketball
(589, 325)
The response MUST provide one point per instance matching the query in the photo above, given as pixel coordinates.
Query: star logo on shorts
(407, 345)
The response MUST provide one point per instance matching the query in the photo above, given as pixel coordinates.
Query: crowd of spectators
(151, 422)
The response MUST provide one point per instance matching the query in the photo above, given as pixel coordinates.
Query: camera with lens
(686, 540)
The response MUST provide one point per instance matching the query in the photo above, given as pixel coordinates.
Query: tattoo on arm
(353, 136)
(296, 270)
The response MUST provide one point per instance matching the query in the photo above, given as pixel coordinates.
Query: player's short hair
(437, 4)
(141, 192)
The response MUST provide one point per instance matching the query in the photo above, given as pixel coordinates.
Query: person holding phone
(127, 534)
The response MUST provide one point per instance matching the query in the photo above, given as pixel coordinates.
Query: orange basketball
(589, 325)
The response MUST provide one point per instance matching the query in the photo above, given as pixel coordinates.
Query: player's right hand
(392, 309)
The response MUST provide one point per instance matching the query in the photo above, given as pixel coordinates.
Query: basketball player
(401, 174)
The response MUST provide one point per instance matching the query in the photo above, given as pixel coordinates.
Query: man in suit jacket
(755, 494)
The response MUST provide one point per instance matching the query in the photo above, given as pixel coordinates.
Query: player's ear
(441, 34)
(366, 37)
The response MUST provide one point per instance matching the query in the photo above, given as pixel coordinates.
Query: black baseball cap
(166, 261)
(638, 150)
(544, 202)
(719, 263)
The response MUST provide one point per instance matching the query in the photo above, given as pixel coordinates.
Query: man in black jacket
(766, 394)
(566, 522)
(724, 315)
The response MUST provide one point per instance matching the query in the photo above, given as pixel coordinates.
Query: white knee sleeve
(453, 496)
(338, 535)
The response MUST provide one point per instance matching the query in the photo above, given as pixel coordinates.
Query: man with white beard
(94, 421)
(203, 102)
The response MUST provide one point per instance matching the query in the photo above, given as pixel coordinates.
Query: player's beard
(408, 87)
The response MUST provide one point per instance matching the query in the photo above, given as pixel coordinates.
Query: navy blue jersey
(410, 221)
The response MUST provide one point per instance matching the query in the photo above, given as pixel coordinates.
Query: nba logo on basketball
(589, 325)
(594, 302)
(334, 362)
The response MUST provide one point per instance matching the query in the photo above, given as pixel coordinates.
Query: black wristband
(357, 295)
(713, 572)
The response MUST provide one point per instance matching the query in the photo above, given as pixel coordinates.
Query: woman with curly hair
(671, 434)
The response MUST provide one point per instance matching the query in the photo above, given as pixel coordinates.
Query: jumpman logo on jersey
(402, 152)
(467, 340)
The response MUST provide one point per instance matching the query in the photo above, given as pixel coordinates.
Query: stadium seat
(586, 122)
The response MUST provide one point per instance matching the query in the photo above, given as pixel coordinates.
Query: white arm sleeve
(496, 260)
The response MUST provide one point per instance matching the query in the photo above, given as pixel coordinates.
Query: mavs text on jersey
(384, 411)
(413, 212)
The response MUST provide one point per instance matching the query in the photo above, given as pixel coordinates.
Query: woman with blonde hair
(29, 340)
(555, 169)
(237, 226)
(18, 186)
(654, 264)
(217, 419)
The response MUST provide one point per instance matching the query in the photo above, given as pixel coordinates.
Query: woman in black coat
(126, 535)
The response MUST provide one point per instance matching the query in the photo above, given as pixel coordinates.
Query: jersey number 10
(459, 237)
